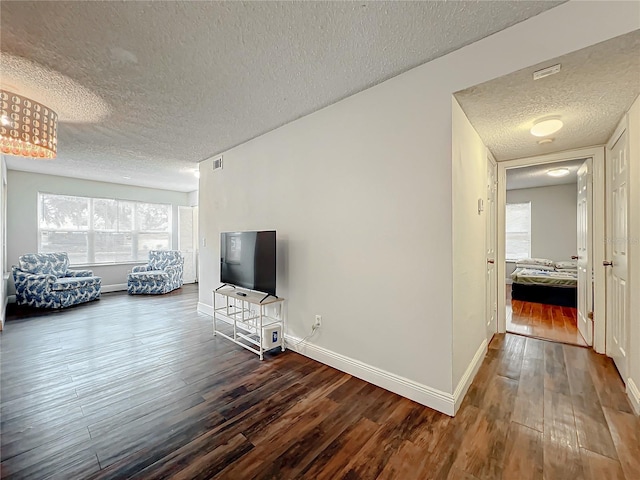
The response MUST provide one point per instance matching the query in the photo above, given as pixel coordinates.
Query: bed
(547, 284)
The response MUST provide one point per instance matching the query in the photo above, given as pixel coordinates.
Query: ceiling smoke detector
(545, 141)
(545, 72)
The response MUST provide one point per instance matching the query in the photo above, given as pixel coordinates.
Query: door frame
(598, 235)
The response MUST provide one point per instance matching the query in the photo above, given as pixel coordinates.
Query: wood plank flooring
(137, 387)
(549, 322)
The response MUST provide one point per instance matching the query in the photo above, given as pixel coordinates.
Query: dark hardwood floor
(137, 387)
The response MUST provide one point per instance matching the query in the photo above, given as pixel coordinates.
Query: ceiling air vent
(545, 72)
(217, 163)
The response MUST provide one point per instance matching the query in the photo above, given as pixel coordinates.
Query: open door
(187, 242)
(617, 162)
(585, 255)
(491, 246)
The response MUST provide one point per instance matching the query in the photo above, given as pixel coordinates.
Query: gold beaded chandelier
(27, 128)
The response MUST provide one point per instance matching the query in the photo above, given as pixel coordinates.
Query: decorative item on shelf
(27, 128)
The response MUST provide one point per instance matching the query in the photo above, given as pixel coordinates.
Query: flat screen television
(248, 260)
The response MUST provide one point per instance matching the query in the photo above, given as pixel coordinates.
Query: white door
(490, 241)
(585, 257)
(616, 264)
(187, 242)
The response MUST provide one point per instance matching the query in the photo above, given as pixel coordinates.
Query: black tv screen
(248, 260)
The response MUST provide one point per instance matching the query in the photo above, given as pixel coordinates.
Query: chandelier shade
(27, 128)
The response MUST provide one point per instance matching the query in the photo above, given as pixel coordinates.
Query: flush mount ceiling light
(27, 128)
(545, 141)
(558, 172)
(543, 128)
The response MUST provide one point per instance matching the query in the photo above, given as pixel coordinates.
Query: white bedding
(530, 276)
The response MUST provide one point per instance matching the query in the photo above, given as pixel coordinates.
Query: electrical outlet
(318, 322)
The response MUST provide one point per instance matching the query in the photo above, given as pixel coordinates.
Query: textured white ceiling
(591, 93)
(182, 81)
(536, 175)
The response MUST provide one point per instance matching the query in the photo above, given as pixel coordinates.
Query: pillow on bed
(540, 268)
(566, 266)
(534, 262)
(530, 263)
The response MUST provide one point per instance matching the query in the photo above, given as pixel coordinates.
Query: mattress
(530, 276)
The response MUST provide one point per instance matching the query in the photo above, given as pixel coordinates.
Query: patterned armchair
(162, 274)
(44, 280)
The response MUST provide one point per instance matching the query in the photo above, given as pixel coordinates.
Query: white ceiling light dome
(542, 128)
(558, 172)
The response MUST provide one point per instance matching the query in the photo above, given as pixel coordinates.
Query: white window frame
(511, 259)
(91, 233)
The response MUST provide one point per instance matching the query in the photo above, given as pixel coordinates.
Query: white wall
(361, 196)
(22, 213)
(634, 254)
(554, 217)
(469, 158)
(192, 198)
(511, 267)
(3, 226)
(348, 196)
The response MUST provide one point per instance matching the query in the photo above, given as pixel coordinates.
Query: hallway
(564, 408)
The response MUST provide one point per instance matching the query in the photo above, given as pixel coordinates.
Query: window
(518, 227)
(101, 230)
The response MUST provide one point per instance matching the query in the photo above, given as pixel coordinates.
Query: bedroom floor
(539, 320)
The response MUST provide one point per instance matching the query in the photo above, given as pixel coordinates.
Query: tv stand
(249, 316)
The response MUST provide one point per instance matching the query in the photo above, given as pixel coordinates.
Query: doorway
(544, 203)
(546, 251)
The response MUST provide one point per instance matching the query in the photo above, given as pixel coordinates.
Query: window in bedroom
(518, 227)
(102, 230)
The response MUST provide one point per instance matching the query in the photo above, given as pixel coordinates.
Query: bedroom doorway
(546, 210)
(541, 221)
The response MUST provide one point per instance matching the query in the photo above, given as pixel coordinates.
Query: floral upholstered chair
(162, 274)
(44, 280)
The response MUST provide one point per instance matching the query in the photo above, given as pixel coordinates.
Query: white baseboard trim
(423, 394)
(206, 309)
(431, 397)
(117, 287)
(634, 395)
(469, 375)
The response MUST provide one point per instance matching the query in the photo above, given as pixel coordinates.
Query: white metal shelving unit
(246, 312)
